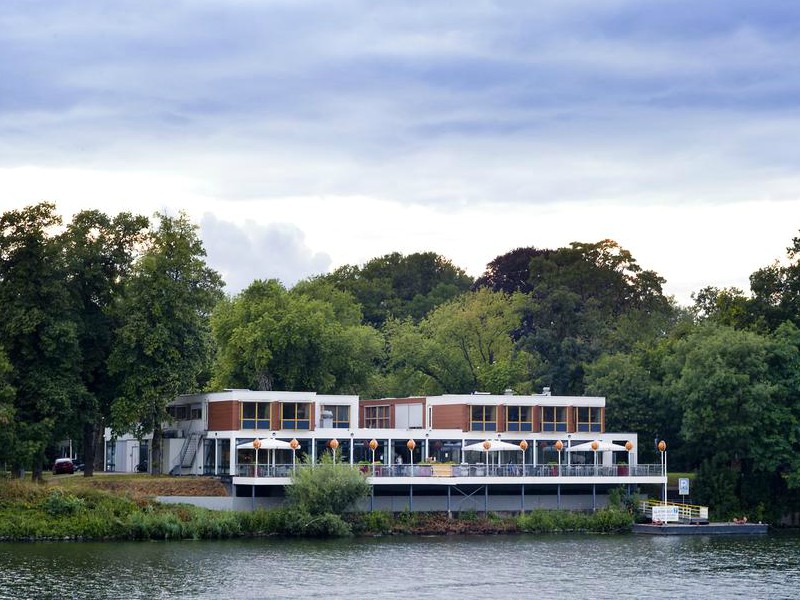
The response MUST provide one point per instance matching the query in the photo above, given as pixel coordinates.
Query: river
(463, 568)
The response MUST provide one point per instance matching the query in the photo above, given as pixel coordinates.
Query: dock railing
(686, 512)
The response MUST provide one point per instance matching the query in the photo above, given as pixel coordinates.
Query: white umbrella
(601, 447)
(494, 446)
(267, 444)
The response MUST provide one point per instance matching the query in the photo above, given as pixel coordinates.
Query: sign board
(683, 486)
(666, 514)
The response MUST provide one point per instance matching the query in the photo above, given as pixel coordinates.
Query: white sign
(666, 514)
(683, 486)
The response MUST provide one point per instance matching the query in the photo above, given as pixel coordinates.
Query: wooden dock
(701, 528)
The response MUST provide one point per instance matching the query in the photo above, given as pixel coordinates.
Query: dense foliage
(105, 319)
(35, 512)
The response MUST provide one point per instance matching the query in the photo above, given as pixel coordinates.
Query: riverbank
(84, 510)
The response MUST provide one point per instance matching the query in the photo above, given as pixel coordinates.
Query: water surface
(463, 568)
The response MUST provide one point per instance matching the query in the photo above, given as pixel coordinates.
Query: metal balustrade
(513, 470)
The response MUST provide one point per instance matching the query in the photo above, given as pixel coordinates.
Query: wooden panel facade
(223, 416)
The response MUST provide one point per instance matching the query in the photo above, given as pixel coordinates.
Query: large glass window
(295, 415)
(255, 415)
(589, 418)
(484, 418)
(518, 418)
(554, 418)
(341, 416)
(376, 417)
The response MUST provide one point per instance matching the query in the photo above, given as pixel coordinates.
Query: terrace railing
(468, 470)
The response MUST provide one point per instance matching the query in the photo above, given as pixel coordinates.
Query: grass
(78, 508)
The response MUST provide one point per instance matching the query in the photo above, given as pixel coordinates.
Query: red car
(63, 465)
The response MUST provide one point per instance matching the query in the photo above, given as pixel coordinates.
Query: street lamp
(294, 444)
(629, 447)
(256, 445)
(334, 444)
(486, 445)
(411, 444)
(523, 445)
(595, 446)
(373, 445)
(662, 447)
(559, 447)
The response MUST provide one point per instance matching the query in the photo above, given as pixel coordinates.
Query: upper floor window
(295, 415)
(341, 416)
(554, 418)
(179, 413)
(254, 415)
(483, 418)
(518, 418)
(376, 417)
(589, 418)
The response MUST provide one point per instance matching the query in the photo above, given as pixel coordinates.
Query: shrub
(326, 488)
(58, 504)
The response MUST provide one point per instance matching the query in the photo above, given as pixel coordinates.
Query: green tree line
(107, 318)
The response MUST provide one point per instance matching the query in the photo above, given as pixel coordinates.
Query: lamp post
(295, 445)
(334, 444)
(629, 447)
(559, 447)
(569, 451)
(662, 447)
(486, 445)
(256, 445)
(373, 445)
(411, 444)
(595, 446)
(523, 445)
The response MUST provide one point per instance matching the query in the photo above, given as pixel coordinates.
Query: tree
(585, 300)
(163, 345)
(99, 253)
(271, 338)
(465, 345)
(776, 290)
(38, 333)
(398, 286)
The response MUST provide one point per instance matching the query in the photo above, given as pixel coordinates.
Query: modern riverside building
(450, 453)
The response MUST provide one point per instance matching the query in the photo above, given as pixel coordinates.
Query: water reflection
(394, 568)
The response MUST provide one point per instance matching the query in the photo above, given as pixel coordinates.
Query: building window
(341, 416)
(179, 413)
(295, 415)
(196, 413)
(484, 418)
(518, 418)
(255, 415)
(554, 418)
(376, 417)
(589, 419)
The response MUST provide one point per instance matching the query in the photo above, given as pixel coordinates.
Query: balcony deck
(444, 475)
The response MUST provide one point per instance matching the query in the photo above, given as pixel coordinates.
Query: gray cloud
(245, 253)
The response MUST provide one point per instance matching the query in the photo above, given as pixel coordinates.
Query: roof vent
(546, 391)
(508, 392)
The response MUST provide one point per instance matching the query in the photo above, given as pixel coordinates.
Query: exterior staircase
(187, 454)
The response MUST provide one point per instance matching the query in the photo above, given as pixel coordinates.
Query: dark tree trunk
(89, 449)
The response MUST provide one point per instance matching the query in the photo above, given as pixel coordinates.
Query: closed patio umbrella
(601, 447)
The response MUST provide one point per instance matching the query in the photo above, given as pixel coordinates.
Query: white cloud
(317, 134)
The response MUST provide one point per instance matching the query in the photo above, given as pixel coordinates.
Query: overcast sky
(303, 135)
